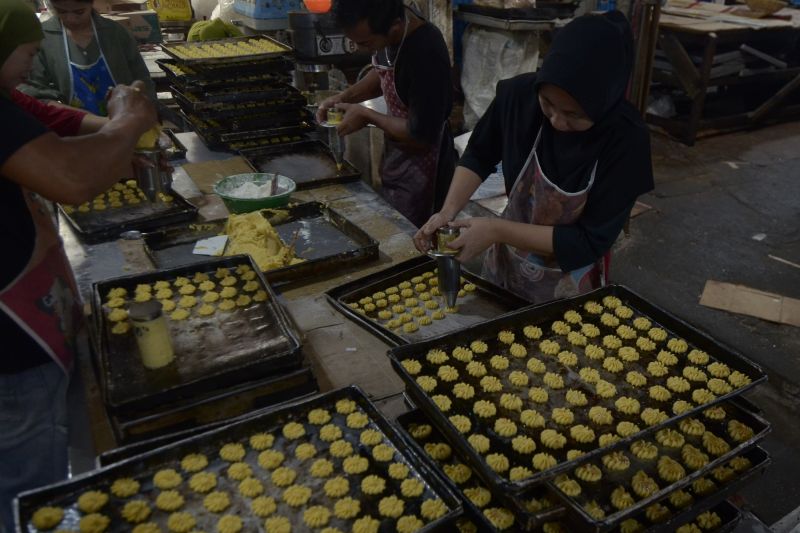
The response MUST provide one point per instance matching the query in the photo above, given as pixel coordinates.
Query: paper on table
(207, 173)
(213, 246)
(752, 302)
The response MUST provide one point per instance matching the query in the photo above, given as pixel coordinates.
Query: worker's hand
(130, 103)
(354, 119)
(477, 234)
(329, 102)
(423, 239)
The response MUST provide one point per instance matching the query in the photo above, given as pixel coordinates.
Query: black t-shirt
(17, 237)
(423, 80)
(506, 133)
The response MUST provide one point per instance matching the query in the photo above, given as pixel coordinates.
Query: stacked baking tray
(612, 403)
(332, 461)
(231, 339)
(236, 93)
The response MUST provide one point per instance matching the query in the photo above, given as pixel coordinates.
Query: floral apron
(534, 199)
(43, 299)
(408, 181)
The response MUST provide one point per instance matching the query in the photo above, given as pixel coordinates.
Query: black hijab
(591, 59)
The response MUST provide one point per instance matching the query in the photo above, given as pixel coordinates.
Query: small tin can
(335, 116)
(444, 236)
(152, 334)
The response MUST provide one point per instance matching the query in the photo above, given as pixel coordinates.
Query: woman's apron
(43, 299)
(89, 84)
(534, 199)
(408, 181)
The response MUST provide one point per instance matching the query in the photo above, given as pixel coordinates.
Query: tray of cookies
(527, 511)
(551, 378)
(322, 241)
(124, 207)
(402, 304)
(696, 503)
(331, 461)
(722, 518)
(224, 321)
(233, 50)
(687, 460)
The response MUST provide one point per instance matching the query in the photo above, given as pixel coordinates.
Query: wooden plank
(685, 71)
(751, 302)
(762, 110)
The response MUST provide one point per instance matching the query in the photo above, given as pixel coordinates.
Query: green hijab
(18, 25)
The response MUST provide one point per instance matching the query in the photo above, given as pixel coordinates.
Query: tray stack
(235, 348)
(236, 93)
(624, 415)
(329, 461)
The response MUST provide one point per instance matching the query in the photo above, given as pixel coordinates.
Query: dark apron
(43, 299)
(408, 181)
(534, 199)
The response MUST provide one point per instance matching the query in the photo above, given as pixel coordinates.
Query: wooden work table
(339, 351)
(694, 37)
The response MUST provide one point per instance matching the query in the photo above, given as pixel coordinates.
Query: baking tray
(541, 11)
(221, 405)
(143, 467)
(600, 492)
(543, 316)
(327, 240)
(282, 109)
(99, 226)
(203, 98)
(760, 460)
(171, 49)
(486, 302)
(197, 78)
(729, 514)
(517, 505)
(212, 352)
(308, 163)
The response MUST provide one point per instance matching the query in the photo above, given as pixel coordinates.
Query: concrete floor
(710, 200)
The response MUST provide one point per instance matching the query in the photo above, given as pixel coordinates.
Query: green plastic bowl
(225, 186)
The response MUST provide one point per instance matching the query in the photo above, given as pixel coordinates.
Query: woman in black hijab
(575, 157)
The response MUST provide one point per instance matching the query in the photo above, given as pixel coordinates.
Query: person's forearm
(91, 124)
(395, 128)
(529, 237)
(76, 169)
(366, 88)
(465, 183)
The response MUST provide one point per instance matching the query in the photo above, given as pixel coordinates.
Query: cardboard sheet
(751, 302)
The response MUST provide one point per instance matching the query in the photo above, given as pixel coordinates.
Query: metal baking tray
(99, 226)
(517, 505)
(760, 460)
(285, 108)
(197, 78)
(224, 349)
(729, 514)
(486, 302)
(324, 238)
(170, 49)
(600, 492)
(143, 467)
(205, 98)
(308, 163)
(543, 316)
(223, 405)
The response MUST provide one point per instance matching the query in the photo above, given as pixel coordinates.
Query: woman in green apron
(575, 156)
(83, 55)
